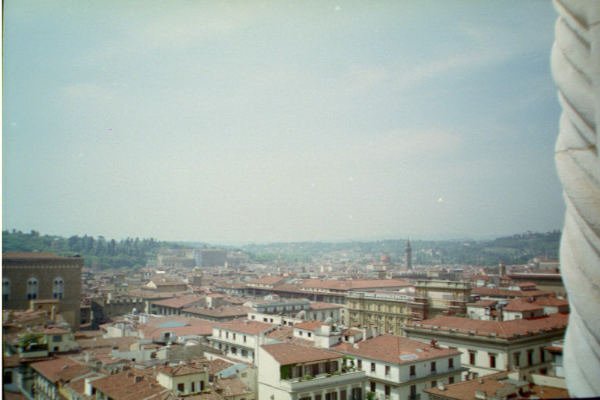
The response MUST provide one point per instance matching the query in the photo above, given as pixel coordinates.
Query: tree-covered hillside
(97, 252)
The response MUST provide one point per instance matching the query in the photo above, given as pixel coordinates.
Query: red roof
(394, 349)
(60, 369)
(246, 326)
(519, 305)
(179, 302)
(502, 329)
(287, 353)
(309, 325)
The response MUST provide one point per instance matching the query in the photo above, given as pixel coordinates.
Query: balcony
(334, 379)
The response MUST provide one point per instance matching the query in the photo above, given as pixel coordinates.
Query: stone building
(386, 311)
(444, 297)
(28, 277)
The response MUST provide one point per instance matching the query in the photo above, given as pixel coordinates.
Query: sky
(263, 121)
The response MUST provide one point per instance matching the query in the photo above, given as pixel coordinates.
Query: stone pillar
(576, 71)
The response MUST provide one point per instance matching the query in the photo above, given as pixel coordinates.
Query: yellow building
(386, 311)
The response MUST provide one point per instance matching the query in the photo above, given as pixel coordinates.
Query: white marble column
(576, 71)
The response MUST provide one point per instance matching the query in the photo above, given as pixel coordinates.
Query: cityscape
(300, 201)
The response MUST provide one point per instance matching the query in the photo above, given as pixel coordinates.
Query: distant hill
(132, 252)
(515, 249)
(97, 252)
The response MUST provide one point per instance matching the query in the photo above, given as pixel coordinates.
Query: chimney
(88, 387)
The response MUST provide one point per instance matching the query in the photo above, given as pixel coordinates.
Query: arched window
(5, 289)
(32, 288)
(58, 288)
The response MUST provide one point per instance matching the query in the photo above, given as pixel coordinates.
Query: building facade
(27, 277)
(386, 311)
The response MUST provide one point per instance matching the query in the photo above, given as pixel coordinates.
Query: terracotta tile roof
(497, 292)
(318, 305)
(345, 285)
(287, 353)
(551, 302)
(122, 343)
(225, 311)
(180, 302)
(217, 365)
(129, 385)
(248, 327)
(394, 349)
(184, 369)
(309, 325)
(60, 369)
(286, 334)
(519, 305)
(491, 384)
(502, 329)
(267, 280)
(34, 256)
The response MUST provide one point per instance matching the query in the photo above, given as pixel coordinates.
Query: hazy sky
(260, 121)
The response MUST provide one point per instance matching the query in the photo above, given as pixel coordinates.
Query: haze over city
(280, 121)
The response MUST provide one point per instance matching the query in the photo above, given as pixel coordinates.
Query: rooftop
(287, 353)
(394, 349)
(497, 385)
(245, 326)
(501, 329)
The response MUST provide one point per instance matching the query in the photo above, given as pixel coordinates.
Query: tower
(408, 254)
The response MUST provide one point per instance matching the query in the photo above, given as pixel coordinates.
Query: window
(472, 357)
(32, 288)
(372, 367)
(245, 338)
(234, 336)
(373, 386)
(387, 390)
(413, 390)
(343, 395)
(359, 364)
(201, 386)
(433, 384)
(387, 370)
(57, 338)
(529, 357)
(300, 333)
(492, 360)
(58, 288)
(5, 289)
(244, 353)
(234, 350)
(516, 358)
(180, 387)
(451, 363)
(309, 334)
(226, 335)
(451, 380)
(542, 355)
(433, 366)
(412, 370)
(193, 386)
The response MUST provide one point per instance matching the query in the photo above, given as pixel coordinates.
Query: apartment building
(292, 372)
(240, 339)
(398, 368)
(493, 346)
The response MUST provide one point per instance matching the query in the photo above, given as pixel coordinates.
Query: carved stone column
(576, 71)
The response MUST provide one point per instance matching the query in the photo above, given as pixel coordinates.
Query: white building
(398, 368)
(240, 339)
(291, 372)
(492, 346)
